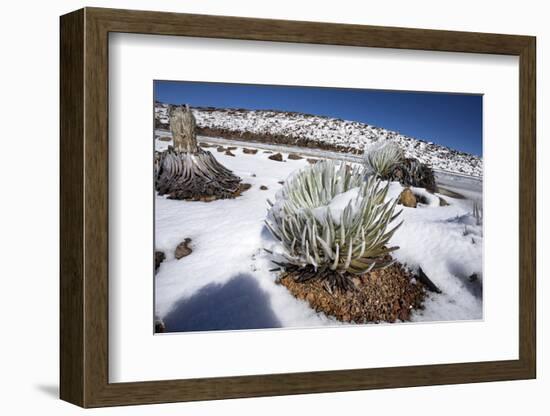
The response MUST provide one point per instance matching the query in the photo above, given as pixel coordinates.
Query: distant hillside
(306, 130)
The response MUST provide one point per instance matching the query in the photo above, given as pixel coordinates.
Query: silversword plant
(387, 161)
(332, 222)
(382, 157)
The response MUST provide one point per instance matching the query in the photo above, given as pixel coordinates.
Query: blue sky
(453, 120)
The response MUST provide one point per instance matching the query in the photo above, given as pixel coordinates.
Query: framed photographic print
(256, 207)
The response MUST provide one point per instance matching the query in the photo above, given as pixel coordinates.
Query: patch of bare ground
(274, 139)
(386, 295)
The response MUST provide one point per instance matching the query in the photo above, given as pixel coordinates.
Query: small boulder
(159, 258)
(221, 149)
(183, 249)
(203, 144)
(407, 198)
(277, 157)
(244, 187)
(294, 156)
(263, 188)
(165, 138)
(312, 161)
(228, 153)
(159, 326)
(421, 199)
(250, 151)
(442, 202)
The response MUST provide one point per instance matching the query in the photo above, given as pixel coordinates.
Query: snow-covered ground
(226, 282)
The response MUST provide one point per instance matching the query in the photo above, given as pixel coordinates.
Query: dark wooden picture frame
(84, 207)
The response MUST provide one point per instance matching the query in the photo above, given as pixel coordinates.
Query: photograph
(280, 207)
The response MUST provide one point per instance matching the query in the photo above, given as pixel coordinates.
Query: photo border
(356, 89)
(84, 217)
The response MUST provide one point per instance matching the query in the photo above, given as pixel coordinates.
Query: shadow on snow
(475, 286)
(238, 304)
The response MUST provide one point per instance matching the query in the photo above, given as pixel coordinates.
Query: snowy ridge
(325, 132)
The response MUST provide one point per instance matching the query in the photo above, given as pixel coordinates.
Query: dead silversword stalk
(332, 223)
(185, 171)
(412, 172)
(182, 127)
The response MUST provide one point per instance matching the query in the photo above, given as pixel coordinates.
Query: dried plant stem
(185, 171)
